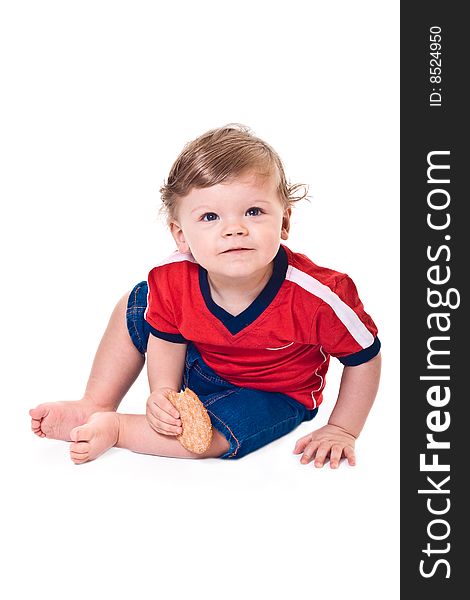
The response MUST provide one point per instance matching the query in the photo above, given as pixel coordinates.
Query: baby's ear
(178, 236)
(285, 228)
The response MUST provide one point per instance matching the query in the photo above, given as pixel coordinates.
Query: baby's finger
(309, 453)
(335, 455)
(302, 443)
(170, 429)
(322, 452)
(154, 407)
(151, 420)
(161, 422)
(159, 401)
(163, 428)
(167, 406)
(164, 417)
(350, 454)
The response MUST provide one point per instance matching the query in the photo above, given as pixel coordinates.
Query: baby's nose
(235, 229)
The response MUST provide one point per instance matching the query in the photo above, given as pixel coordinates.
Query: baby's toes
(79, 452)
(37, 414)
(82, 433)
(79, 459)
(36, 428)
(80, 446)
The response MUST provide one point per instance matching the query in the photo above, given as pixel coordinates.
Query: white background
(97, 100)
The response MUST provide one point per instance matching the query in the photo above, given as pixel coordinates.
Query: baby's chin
(241, 270)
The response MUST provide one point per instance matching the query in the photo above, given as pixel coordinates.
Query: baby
(235, 315)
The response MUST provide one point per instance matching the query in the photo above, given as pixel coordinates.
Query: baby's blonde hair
(220, 154)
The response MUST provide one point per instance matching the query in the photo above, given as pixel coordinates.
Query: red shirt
(283, 341)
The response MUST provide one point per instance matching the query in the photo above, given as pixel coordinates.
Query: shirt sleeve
(342, 327)
(160, 312)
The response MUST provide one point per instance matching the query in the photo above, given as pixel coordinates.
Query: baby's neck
(235, 295)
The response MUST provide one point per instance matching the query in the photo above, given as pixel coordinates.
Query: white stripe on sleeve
(344, 312)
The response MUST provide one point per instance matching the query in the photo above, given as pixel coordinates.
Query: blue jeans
(248, 418)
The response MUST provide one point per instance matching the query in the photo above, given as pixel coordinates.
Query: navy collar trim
(235, 324)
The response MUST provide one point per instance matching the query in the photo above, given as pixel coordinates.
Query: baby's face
(232, 229)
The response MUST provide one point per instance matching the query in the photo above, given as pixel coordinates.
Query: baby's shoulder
(174, 271)
(176, 260)
(302, 269)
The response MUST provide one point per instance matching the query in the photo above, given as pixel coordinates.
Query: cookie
(195, 421)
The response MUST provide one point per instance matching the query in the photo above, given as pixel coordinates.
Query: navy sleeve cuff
(176, 338)
(363, 356)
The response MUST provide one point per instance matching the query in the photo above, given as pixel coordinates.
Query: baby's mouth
(236, 250)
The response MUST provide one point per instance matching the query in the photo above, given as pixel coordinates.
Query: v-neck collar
(235, 324)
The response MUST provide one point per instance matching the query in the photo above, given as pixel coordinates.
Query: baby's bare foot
(95, 437)
(55, 420)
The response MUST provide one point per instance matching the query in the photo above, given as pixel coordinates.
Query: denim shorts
(248, 418)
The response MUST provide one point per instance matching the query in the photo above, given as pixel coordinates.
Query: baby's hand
(328, 441)
(162, 416)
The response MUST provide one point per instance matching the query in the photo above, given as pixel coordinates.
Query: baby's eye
(254, 211)
(209, 217)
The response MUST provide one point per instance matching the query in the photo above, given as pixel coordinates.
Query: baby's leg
(116, 366)
(107, 429)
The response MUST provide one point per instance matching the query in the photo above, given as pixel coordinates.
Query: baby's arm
(165, 364)
(356, 395)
